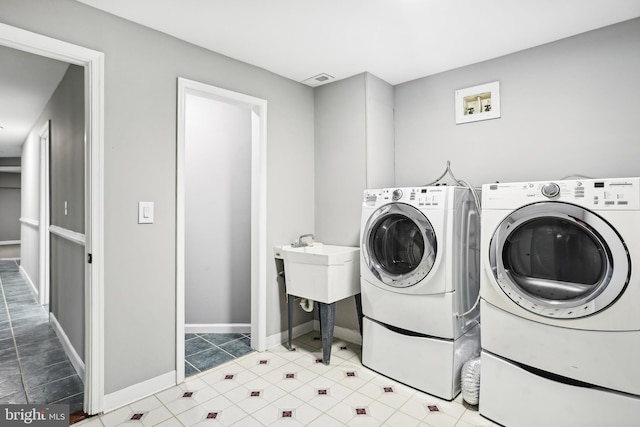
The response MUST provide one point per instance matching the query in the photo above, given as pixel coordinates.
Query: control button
(550, 190)
(397, 195)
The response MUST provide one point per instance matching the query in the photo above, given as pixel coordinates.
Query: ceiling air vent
(318, 80)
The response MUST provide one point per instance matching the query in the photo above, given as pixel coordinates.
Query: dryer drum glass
(555, 259)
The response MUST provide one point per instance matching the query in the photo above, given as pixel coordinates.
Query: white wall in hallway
(218, 212)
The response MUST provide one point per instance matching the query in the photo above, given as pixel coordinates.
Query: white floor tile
(192, 416)
(144, 405)
(170, 394)
(325, 421)
(181, 405)
(345, 393)
(90, 422)
(401, 419)
(118, 416)
(171, 422)
(247, 422)
(156, 416)
(380, 411)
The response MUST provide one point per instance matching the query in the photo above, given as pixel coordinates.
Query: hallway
(34, 368)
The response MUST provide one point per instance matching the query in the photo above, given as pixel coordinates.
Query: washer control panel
(608, 193)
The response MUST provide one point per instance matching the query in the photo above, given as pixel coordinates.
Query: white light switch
(145, 212)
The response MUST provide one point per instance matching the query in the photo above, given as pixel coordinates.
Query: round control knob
(550, 190)
(397, 194)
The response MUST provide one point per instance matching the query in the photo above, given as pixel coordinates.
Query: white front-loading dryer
(560, 298)
(419, 274)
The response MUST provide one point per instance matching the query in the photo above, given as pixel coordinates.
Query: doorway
(43, 227)
(257, 115)
(93, 65)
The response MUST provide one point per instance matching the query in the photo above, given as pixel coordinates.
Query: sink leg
(327, 323)
(290, 302)
(358, 298)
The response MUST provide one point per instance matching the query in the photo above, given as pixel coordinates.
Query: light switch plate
(145, 212)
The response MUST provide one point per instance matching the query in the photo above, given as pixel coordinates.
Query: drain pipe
(306, 304)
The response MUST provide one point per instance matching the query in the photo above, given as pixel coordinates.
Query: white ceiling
(396, 40)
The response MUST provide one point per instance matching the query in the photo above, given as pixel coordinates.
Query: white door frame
(43, 230)
(93, 63)
(258, 211)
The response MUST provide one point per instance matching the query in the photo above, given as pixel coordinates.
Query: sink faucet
(301, 242)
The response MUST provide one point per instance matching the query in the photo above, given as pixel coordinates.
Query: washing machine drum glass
(400, 245)
(559, 260)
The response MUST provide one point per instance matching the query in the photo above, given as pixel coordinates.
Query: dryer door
(399, 245)
(559, 260)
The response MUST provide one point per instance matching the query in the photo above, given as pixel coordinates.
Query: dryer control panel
(416, 196)
(607, 194)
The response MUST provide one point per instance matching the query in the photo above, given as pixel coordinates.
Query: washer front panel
(559, 260)
(399, 245)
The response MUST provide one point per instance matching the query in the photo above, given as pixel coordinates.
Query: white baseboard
(138, 391)
(71, 352)
(217, 328)
(346, 334)
(296, 331)
(26, 277)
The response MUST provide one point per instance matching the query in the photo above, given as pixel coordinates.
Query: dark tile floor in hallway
(206, 351)
(34, 368)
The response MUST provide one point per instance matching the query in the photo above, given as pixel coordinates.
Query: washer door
(559, 260)
(399, 245)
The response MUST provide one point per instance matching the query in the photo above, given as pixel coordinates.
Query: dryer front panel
(399, 245)
(559, 260)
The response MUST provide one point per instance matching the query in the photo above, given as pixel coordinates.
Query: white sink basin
(324, 273)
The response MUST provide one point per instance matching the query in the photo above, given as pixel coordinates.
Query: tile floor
(292, 388)
(33, 365)
(205, 351)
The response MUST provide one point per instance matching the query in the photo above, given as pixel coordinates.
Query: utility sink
(323, 273)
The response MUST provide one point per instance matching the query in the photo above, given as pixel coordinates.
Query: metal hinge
(89, 258)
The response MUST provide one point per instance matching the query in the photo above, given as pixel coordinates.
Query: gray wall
(66, 163)
(568, 107)
(218, 212)
(9, 206)
(141, 71)
(65, 112)
(340, 159)
(66, 147)
(354, 151)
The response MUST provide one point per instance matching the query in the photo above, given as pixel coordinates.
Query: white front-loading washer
(419, 274)
(561, 302)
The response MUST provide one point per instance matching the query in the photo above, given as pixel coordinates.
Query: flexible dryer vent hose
(470, 381)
